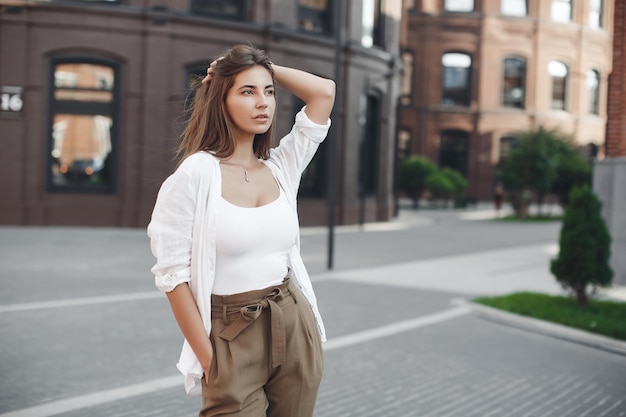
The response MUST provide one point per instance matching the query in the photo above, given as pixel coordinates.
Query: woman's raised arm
(318, 93)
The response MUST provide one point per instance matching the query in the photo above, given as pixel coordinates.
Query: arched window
(514, 7)
(459, 5)
(561, 11)
(593, 91)
(84, 100)
(454, 150)
(513, 83)
(558, 73)
(456, 89)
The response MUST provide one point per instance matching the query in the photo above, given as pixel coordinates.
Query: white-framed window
(459, 5)
(514, 7)
(558, 72)
(561, 11)
(593, 91)
(514, 82)
(595, 14)
(372, 23)
(456, 83)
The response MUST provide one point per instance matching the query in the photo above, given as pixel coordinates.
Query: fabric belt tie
(249, 314)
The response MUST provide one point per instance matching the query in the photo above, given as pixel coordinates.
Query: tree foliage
(412, 176)
(542, 161)
(583, 258)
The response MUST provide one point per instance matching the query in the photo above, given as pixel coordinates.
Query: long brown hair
(210, 126)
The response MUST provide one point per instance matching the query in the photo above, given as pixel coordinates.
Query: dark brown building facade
(93, 96)
(477, 71)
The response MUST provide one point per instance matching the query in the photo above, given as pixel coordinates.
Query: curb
(546, 328)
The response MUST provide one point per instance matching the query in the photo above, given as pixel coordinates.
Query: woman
(225, 234)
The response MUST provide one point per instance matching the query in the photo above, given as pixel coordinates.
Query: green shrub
(583, 258)
(439, 185)
(412, 175)
(456, 178)
(571, 170)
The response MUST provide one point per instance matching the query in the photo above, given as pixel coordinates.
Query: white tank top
(253, 245)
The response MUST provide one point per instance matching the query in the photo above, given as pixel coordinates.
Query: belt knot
(251, 312)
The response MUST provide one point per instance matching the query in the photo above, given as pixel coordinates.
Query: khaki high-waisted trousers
(267, 355)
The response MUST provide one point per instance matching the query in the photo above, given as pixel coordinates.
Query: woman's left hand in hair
(210, 71)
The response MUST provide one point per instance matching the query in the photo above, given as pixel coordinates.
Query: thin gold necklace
(245, 171)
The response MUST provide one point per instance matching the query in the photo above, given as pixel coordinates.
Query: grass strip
(607, 318)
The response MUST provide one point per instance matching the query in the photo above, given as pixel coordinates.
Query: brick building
(477, 71)
(609, 180)
(93, 95)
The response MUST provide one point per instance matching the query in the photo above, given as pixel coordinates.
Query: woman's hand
(210, 71)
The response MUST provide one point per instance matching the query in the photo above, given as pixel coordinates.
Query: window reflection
(315, 16)
(593, 90)
(513, 83)
(230, 9)
(82, 125)
(456, 79)
(558, 72)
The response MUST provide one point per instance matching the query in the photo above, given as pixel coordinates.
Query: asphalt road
(84, 332)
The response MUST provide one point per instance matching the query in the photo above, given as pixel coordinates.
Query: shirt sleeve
(170, 230)
(298, 147)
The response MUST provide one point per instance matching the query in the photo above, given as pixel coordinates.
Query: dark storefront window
(193, 76)
(313, 182)
(513, 91)
(370, 144)
(454, 150)
(83, 125)
(456, 89)
(229, 9)
(315, 16)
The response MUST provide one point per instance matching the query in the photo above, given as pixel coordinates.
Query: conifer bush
(583, 259)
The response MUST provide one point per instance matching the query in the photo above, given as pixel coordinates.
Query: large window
(404, 143)
(83, 125)
(456, 89)
(454, 150)
(459, 5)
(595, 14)
(406, 99)
(372, 23)
(369, 151)
(314, 180)
(228, 9)
(561, 10)
(514, 7)
(593, 91)
(513, 83)
(315, 16)
(558, 73)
